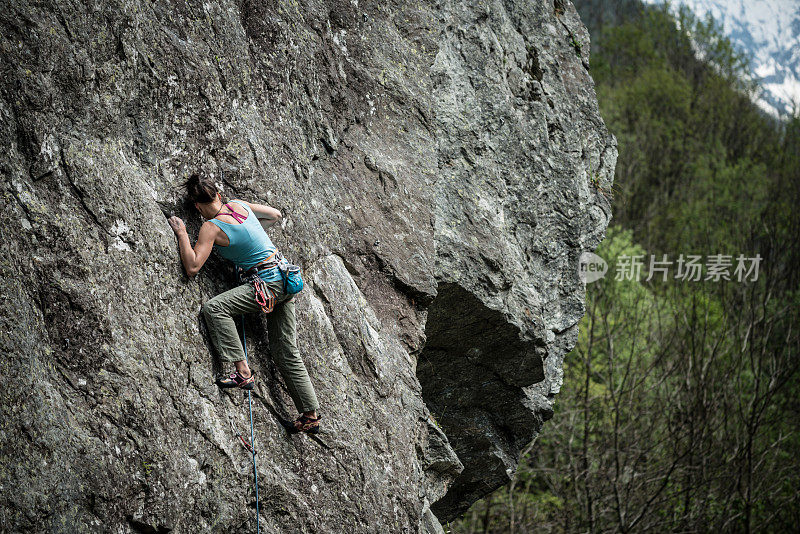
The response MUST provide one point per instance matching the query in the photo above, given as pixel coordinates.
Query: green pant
(219, 313)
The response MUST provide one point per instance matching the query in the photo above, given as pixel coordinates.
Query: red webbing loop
(267, 302)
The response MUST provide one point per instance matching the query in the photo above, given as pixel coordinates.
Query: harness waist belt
(266, 264)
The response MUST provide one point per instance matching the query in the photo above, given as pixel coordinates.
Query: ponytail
(200, 189)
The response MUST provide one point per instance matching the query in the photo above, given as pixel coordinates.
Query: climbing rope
(252, 433)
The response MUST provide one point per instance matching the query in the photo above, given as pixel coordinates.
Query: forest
(679, 409)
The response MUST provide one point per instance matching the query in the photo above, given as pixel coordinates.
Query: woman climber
(239, 237)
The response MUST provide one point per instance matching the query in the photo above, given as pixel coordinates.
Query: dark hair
(200, 189)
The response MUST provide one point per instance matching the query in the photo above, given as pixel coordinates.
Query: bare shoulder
(211, 234)
(209, 228)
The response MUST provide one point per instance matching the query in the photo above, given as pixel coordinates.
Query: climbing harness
(252, 432)
(265, 296)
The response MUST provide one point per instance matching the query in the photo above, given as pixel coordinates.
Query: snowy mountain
(769, 32)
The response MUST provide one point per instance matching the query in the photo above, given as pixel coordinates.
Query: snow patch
(769, 32)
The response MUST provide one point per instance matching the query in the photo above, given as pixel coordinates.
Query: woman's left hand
(177, 224)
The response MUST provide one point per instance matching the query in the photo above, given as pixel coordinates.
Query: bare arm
(267, 213)
(194, 258)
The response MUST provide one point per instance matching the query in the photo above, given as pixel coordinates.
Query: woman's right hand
(177, 224)
(267, 215)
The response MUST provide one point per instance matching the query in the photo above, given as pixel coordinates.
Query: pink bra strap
(235, 215)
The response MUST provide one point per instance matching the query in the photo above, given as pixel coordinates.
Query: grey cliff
(440, 167)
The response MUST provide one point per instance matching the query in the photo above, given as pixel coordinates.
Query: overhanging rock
(525, 163)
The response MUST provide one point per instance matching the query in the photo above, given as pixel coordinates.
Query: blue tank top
(248, 244)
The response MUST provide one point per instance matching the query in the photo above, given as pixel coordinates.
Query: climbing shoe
(236, 380)
(306, 424)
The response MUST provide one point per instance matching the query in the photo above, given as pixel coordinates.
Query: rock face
(524, 159)
(440, 167)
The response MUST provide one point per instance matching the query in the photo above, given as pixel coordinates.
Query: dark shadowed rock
(440, 167)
